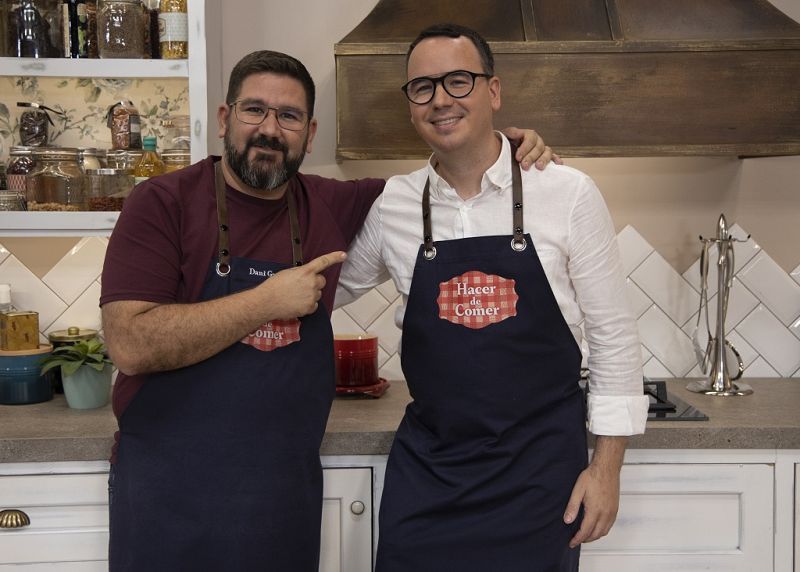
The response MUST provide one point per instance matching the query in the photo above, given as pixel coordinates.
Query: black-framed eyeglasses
(254, 113)
(458, 84)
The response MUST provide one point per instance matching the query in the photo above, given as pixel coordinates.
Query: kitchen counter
(768, 419)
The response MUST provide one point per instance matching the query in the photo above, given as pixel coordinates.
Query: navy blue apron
(218, 464)
(489, 449)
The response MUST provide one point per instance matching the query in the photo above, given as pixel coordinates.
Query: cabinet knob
(12, 518)
(357, 507)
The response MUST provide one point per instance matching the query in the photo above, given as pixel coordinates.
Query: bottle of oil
(150, 164)
(173, 29)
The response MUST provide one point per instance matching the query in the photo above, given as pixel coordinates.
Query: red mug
(356, 359)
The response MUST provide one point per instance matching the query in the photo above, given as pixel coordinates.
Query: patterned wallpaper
(83, 104)
(763, 319)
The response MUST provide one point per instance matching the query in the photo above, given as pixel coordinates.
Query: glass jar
(74, 24)
(30, 37)
(177, 134)
(11, 201)
(89, 158)
(20, 163)
(57, 183)
(108, 189)
(173, 29)
(120, 29)
(175, 159)
(92, 49)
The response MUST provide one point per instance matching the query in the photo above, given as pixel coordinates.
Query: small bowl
(21, 381)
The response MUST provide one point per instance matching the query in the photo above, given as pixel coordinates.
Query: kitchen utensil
(719, 351)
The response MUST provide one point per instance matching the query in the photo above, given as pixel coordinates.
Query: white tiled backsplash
(763, 321)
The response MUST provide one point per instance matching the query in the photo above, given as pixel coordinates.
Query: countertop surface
(767, 419)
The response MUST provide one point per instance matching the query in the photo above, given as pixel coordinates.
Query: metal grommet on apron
(218, 463)
(489, 449)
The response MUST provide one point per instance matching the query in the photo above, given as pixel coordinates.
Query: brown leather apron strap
(430, 249)
(518, 243)
(294, 228)
(224, 254)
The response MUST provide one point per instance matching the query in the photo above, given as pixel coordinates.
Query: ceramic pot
(87, 388)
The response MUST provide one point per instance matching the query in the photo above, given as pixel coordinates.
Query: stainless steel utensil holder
(719, 381)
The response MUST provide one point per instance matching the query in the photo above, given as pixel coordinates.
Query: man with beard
(216, 296)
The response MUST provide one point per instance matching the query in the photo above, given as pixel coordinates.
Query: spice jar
(175, 159)
(20, 163)
(57, 183)
(108, 189)
(173, 29)
(126, 130)
(120, 29)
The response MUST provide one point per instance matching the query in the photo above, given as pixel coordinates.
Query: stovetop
(663, 407)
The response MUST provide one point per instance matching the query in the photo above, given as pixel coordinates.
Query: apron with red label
(218, 464)
(489, 449)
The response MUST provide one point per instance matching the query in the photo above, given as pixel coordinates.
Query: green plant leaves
(69, 358)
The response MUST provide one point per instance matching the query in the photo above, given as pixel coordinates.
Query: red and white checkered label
(274, 334)
(476, 300)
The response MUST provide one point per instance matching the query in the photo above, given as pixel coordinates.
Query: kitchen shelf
(116, 68)
(57, 223)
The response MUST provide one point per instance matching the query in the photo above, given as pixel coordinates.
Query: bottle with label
(75, 23)
(173, 29)
(150, 164)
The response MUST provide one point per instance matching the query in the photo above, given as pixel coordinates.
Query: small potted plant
(85, 371)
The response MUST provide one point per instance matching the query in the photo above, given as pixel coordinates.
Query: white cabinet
(346, 543)
(68, 508)
(194, 69)
(67, 504)
(797, 518)
(700, 516)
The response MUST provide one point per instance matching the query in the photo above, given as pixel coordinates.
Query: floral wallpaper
(82, 104)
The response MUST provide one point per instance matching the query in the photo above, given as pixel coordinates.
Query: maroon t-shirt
(166, 236)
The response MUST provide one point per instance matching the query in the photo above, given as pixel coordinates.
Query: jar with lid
(120, 29)
(89, 158)
(20, 163)
(11, 201)
(67, 337)
(173, 29)
(175, 159)
(177, 134)
(74, 23)
(108, 188)
(57, 182)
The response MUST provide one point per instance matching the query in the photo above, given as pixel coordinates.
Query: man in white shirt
(489, 466)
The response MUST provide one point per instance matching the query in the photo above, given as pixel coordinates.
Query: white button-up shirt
(574, 238)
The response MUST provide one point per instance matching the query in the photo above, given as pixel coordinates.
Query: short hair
(449, 30)
(266, 61)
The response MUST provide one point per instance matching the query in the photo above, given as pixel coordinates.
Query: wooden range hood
(595, 77)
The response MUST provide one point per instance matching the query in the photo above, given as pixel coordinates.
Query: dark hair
(449, 30)
(266, 61)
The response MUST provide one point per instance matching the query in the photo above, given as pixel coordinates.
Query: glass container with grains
(173, 29)
(57, 182)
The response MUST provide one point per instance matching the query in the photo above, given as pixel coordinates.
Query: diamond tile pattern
(763, 320)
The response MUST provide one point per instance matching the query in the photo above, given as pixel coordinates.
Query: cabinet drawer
(689, 517)
(69, 519)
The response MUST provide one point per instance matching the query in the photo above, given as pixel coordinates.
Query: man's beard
(262, 172)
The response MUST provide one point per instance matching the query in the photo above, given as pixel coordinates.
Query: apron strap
(224, 253)
(430, 249)
(518, 243)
